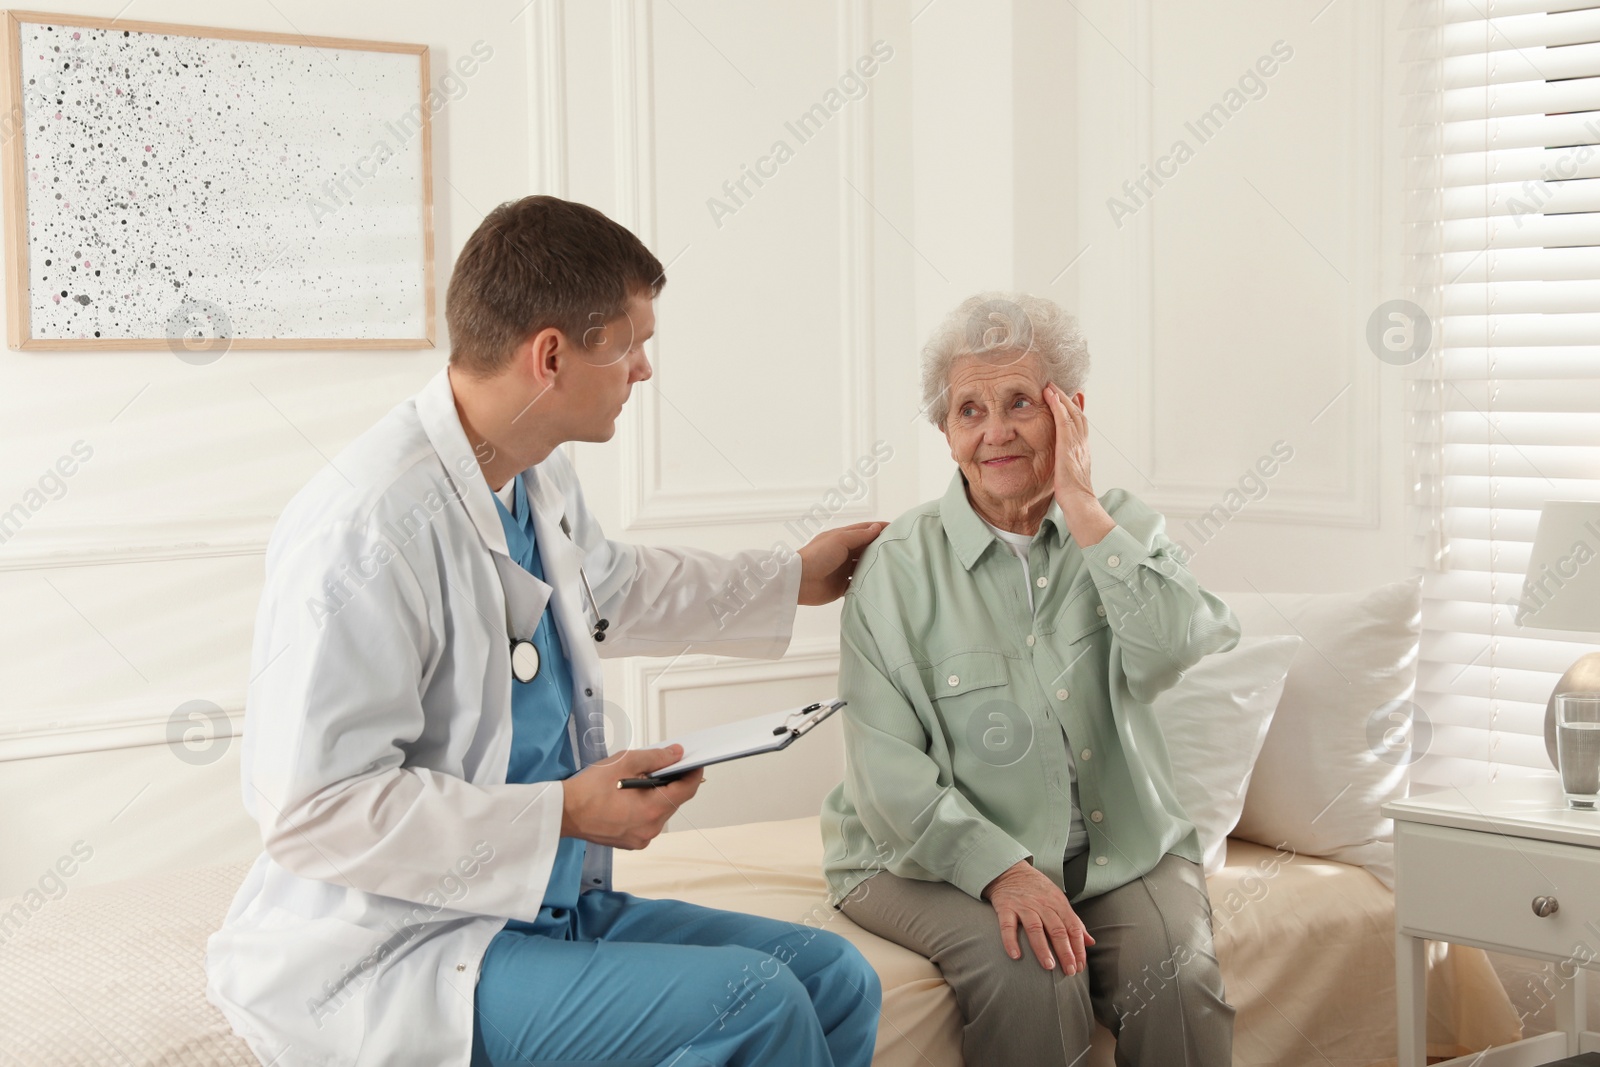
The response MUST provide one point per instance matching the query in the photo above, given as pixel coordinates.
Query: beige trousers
(1152, 975)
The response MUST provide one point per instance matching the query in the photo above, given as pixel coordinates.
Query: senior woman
(1000, 650)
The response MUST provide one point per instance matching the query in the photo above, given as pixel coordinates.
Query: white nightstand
(1477, 866)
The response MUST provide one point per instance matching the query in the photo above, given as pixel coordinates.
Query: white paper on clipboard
(747, 737)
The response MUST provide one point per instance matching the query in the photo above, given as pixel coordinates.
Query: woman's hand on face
(1087, 519)
(1072, 447)
(1023, 895)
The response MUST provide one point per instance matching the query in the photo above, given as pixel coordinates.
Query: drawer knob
(1544, 907)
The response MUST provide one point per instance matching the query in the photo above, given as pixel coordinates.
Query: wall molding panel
(547, 89)
(1353, 502)
(648, 681)
(106, 543)
(648, 502)
(107, 726)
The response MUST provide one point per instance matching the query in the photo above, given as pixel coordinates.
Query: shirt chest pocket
(966, 672)
(978, 713)
(1082, 617)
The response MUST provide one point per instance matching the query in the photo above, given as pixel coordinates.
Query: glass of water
(1578, 748)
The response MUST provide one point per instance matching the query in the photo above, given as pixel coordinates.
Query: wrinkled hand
(1072, 446)
(1023, 895)
(595, 808)
(828, 560)
(1087, 519)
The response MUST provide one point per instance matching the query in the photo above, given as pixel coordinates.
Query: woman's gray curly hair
(996, 323)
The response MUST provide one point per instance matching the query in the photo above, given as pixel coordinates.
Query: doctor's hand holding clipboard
(639, 771)
(596, 808)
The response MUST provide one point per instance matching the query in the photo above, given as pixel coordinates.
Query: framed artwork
(188, 187)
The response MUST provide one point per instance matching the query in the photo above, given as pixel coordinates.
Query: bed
(113, 974)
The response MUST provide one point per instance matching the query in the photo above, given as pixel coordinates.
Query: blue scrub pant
(631, 982)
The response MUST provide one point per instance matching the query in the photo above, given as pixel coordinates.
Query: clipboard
(735, 740)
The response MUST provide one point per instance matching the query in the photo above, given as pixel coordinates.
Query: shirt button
(1096, 816)
(1031, 639)
(1113, 561)
(1041, 581)
(1100, 861)
(461, 966)
(1100, 610)
(1061, 694)
(1086, 753)
(953, 680)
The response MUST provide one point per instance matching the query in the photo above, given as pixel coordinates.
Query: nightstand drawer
(1476, 886)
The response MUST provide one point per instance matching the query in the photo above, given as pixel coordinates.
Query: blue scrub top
(540, 711)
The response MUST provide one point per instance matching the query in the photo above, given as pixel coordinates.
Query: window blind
(1505, 412)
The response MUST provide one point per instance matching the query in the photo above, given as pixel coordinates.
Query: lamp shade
(1561, 590)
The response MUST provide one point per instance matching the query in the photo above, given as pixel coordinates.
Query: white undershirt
(507, 493)
(1078, 834)
(1019, 544)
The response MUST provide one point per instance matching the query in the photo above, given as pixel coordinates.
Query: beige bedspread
(114, 974)
(1306, 947)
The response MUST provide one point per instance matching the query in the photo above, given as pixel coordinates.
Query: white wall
(980, 156)
(135, 592)
(1232, 304)
(779, 365)
(1226, 312)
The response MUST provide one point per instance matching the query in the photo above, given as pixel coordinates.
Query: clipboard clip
(807, 719)
(788, 727)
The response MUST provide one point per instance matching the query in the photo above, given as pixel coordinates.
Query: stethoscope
(525, 655)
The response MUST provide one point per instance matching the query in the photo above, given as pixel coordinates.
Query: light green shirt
(964, 705)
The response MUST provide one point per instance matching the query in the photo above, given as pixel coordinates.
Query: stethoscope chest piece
(524, 661)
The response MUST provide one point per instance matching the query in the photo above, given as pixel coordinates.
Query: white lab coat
(378, 731)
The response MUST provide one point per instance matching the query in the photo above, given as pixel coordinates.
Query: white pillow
(1214, 722)
(1330, 760)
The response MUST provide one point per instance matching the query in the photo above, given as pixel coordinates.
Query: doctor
(423, 744)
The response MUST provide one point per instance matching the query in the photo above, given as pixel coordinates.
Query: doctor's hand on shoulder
(829, 559)
(595, 808)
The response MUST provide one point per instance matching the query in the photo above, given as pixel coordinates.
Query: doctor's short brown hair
(540, 262)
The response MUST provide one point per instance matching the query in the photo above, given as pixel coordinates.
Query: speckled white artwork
(241, 188)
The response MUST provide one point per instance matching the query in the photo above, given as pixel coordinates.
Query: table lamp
(1561, 591)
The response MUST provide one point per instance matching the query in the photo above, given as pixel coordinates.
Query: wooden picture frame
(304, 200)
